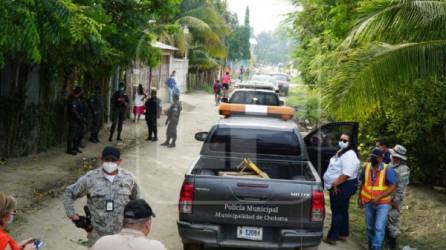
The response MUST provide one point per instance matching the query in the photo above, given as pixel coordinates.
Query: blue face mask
(342, 144)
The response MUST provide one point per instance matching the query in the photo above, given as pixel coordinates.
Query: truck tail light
(317, 206)
(186, 198)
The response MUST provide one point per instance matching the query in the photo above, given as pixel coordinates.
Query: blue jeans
(339, 204)
(170, 95)
(376, 219)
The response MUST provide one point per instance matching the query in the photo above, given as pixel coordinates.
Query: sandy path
(159, 172)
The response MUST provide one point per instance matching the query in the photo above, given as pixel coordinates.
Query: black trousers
(118, 118)
(73, 136)
(171, 132)
(152, 126)
(96, 124)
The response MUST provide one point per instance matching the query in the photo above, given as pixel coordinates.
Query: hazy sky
(265, 15)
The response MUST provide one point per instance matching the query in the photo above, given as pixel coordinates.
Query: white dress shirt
(347, 164)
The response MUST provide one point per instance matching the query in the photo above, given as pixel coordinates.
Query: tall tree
(247, 18)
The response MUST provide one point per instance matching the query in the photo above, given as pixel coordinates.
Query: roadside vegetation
(381, 63)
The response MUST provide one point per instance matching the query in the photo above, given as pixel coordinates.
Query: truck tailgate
(251, 202)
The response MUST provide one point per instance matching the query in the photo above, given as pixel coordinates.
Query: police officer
(96, 106)
(74, 122)
(173, 116)
(83, 111)
(402, 171)
(153, 113)
(108, 189)
(119, 104)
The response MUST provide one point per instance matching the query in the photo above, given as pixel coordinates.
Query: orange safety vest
(372, 188)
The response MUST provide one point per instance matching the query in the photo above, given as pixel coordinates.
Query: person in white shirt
(341, 180)
(138, 109)
(133, 236)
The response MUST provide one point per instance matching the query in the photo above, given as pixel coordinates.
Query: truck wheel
(192, 247)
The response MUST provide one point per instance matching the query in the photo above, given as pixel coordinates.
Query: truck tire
(190, 246)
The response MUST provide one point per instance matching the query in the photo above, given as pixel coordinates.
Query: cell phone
(38, 244)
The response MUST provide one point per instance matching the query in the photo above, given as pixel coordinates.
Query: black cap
(138, 209)
(111, 154)
(376, 152)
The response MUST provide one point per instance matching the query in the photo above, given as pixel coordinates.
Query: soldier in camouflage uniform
(108, 189)
(403, 173)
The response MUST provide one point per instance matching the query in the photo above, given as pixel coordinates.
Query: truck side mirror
(281, 102)
(201, 136)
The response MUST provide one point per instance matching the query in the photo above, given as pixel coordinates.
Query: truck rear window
(247, 97)
(255, 141)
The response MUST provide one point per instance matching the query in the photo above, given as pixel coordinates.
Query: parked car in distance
(284, 82)
(255, 85)
(266, 78)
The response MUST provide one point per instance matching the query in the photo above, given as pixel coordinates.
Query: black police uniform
(84, 121)
(96, 106)
(153, 112)
(74, 124)
(119, 103)
(173, 117)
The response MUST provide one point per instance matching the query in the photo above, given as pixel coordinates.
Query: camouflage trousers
(393, 223)
(92, 237)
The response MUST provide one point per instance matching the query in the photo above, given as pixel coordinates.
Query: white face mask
(110, 167)
(11, 219)
(342, 144)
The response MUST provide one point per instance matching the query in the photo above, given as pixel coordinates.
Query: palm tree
(207, 32)
(394, 44)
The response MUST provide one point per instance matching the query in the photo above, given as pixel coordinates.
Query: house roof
(163, 46)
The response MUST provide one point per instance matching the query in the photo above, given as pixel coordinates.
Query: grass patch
(423, 221)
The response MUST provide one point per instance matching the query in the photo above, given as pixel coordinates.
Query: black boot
(92, 139)
(393, 243)
(166, 143)
(172, 145)
(119, 137)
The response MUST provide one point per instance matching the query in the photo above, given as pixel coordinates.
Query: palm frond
(366, 76)
(401, 21)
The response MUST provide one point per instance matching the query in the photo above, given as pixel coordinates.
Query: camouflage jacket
(403, 173)
(99, 190)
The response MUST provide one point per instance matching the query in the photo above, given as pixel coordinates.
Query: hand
(395, 205)
(375, 200)
(335, 190)
(74, 217)
(29, 246)
(360, 203)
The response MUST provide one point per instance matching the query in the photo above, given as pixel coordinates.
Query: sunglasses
(343, 140)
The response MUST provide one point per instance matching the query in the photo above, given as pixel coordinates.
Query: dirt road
(159, 172)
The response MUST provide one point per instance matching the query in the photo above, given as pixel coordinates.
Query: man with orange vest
(378, 182)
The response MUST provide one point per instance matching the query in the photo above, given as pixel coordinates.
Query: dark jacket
(120, 100)
(73, 109)
(153, 108)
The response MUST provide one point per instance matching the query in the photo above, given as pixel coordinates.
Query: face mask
(11, 219)
(342, 144)
(109, 167)
(374, 161)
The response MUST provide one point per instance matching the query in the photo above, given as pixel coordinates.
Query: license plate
(250, 233)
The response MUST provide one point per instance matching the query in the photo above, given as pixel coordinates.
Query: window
(247, 97)
(255, 141)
